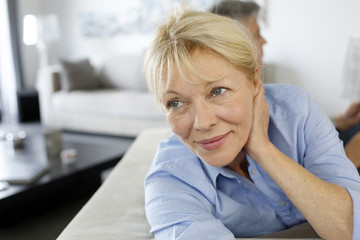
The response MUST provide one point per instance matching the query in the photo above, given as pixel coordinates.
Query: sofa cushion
(109, 102)
(77, 75)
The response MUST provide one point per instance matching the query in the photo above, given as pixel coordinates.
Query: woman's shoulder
(172, 149)
(286, 99)
(279, 92)
(175, 163)
(174, 157)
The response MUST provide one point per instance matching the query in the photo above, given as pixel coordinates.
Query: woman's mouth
(213, 143)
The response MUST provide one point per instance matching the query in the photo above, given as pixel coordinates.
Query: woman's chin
(218, 160)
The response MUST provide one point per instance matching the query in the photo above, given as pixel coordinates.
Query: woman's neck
(240, 165)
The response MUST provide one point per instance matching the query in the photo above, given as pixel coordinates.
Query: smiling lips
(213, 143)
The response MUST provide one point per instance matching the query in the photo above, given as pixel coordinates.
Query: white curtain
(7, 70)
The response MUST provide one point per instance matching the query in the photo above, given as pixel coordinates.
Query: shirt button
(253, 172)
(282, 203)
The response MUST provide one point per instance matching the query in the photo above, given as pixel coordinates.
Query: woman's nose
(204, 117)
(262, 40)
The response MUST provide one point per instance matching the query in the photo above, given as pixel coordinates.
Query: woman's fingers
(260, 123)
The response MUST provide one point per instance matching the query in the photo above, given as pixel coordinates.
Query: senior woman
(244, 160)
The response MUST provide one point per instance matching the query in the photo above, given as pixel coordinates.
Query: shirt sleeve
(325, 157)
(175, 210)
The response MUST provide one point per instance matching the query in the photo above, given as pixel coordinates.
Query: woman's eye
(174, 104)
(218, 91)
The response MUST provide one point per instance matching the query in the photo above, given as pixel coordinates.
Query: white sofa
(116, 210)
(122, 106)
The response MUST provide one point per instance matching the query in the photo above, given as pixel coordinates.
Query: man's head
(246, 13)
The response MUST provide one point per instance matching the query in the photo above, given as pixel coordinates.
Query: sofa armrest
(48, 83)
(116, 210)
(49, 79)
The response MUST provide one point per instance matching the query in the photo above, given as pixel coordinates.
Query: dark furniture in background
(61, 184)
(28, 106)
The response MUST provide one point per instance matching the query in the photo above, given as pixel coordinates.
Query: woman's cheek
(180, 125)
(231, 112)
(237, 112)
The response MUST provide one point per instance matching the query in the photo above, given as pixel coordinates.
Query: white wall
(307, 40)
(74, 45)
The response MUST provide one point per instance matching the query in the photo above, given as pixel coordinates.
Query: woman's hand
(258, 137)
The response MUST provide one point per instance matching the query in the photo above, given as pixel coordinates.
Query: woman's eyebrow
(206, 84)
(171, 92)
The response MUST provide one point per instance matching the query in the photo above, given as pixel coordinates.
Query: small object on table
(68, 156)
(53, 142)
(16, 139)
(4, 185)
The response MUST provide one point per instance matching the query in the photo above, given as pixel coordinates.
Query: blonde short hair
(187, 30)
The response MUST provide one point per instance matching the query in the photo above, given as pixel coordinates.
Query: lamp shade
(351, 73)
(41, 30)
(30, 36)
(44, 28)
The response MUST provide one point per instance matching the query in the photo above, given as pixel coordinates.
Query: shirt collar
(213, 172)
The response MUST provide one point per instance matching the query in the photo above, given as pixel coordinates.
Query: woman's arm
(327, 206)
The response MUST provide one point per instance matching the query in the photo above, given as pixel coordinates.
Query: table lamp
(351, 73)
(41, 30)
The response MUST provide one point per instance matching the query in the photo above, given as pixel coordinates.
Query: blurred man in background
(247, 13)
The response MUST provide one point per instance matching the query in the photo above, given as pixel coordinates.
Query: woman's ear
(256, 82)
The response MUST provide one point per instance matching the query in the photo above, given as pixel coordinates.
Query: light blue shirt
(189, 199)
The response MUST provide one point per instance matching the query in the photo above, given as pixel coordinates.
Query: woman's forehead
(202, 64)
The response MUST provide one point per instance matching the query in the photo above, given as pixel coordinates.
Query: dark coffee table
(61, 183)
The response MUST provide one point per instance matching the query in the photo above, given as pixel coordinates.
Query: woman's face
(213, 119)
